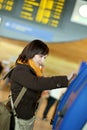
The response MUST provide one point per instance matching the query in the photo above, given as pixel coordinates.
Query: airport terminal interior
(62, 25)
(66, 58)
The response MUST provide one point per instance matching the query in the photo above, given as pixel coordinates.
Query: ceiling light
(83, 11)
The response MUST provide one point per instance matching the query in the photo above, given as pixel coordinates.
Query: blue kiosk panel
(71, 111)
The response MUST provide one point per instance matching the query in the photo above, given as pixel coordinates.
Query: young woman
(29, 73)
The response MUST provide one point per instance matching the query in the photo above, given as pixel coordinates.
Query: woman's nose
(42, 60)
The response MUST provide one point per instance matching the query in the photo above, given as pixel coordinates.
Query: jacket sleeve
(31, 81)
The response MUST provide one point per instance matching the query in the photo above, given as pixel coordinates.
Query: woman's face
(39, 59)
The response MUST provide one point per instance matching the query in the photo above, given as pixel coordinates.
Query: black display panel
(46, 12)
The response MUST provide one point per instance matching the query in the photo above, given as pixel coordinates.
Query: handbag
(5, 117)
(7, 113)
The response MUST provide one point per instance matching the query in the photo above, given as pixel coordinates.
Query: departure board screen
(44, 12)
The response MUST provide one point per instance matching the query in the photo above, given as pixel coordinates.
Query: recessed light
(83, 11)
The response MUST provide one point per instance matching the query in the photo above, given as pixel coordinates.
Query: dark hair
(33, 48)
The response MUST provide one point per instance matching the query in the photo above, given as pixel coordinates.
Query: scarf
(31, 63)
(38, 70)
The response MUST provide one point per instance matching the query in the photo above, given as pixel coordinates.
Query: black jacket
(23, 75)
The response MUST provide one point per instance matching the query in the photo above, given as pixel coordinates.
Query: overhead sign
(46, 12)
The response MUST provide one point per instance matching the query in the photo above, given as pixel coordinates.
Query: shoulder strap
(7, 74)
(22, 92)
(19, 97)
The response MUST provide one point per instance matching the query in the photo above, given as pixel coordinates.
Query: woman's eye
(44, 57)
(41, 56)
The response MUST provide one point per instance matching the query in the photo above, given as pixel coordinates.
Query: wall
(63, 58)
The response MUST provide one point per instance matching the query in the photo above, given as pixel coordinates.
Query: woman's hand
(72, 77)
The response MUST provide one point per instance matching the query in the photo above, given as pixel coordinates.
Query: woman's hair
(33, 48)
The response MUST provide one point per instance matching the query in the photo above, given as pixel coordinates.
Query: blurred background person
(53, 98)
(1, 68)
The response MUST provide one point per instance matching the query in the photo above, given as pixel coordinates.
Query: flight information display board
(44, 12)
